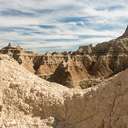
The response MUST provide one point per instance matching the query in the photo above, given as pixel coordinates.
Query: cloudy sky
(55, 25)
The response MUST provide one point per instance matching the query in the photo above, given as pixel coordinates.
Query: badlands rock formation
(86, 64)
(27, 101)
(125, 33)
(49, 66)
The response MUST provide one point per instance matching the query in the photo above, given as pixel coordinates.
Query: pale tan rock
(28, 101)
(88, 62)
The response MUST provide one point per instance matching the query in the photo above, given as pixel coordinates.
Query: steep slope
(28, 101)
(112, 57)
(70, 72)
(125, 33)
(23, 94)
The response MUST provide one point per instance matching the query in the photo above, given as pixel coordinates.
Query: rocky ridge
(125, 33)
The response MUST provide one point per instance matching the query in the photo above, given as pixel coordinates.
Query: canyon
(87, 64)
(29, 101)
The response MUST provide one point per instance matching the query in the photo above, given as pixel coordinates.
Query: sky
(58, 25)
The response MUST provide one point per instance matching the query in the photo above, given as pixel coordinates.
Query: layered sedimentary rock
(49, 66)
(22, 56)
(29, 101)
(70, 72)
(69, 69)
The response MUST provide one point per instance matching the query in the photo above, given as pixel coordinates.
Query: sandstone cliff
(27, 101)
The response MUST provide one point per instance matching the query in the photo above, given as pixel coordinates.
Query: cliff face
(125, 33)
(69, 69)
(70, 72)
(26, 101)
(112, 57)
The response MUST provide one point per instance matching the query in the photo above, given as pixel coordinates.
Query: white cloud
(18, 21)
(98, 20)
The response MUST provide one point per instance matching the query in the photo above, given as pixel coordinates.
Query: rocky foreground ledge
(27, 101)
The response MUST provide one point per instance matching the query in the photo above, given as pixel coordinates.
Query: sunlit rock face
(27, 101)
(70, 68)
(126, 32)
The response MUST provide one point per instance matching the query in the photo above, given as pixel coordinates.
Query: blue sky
(57, 25)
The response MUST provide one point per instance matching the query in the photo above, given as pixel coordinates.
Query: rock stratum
(88, 63)
(27, 101)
